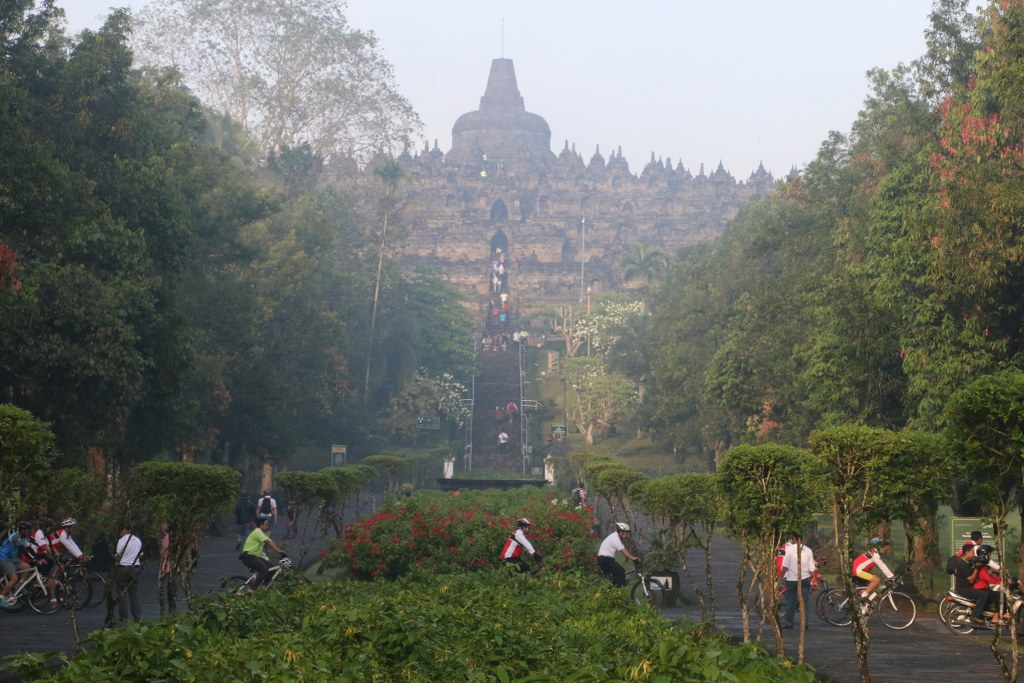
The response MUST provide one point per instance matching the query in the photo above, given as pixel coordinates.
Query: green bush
(473, 626)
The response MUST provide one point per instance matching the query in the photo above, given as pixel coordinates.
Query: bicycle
(241, 585)
(83, 588)
(896, 610)
(646, 590)
(31, 591)
(821, 588)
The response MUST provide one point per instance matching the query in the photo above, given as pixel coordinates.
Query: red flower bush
(436, 533)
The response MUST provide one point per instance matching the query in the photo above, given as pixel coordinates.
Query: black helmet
(24, 526)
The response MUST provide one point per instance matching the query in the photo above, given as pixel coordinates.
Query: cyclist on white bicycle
(254, 554)
(865, 562)
(615, 542)
(10, 564)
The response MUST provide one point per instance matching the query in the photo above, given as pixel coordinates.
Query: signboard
(338, 455)
(961, 533)
(962, 528)
(428, 422)
(558, 430)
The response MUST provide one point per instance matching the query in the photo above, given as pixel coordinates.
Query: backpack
(951, 564)
(265, 508)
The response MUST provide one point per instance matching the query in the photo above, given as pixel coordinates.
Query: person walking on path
(245, 518)
(266, 508)
(797, 552)
(502, 442)
(124, 587)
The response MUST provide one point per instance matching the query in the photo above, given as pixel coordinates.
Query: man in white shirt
(613, 543)
(125, 583)
(797, 553)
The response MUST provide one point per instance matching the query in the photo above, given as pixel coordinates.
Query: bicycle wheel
(16, 602)
(232, 585)
(897, 610)
(819, 599)
(836, 607)
(78, 592)
(99, 589)
(654, 596)
(958, 620)
(41, 601)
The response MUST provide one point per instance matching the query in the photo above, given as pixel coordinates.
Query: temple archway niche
(499, 212)
(499, 241)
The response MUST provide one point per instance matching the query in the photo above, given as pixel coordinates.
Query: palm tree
(391, 174)
(644, 265)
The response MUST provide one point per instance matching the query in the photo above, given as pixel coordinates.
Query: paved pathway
(924, 652)
(28, 631)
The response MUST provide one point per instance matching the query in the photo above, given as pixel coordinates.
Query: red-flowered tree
(971, 322)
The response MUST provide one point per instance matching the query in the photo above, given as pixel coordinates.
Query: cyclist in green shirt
(254, 554)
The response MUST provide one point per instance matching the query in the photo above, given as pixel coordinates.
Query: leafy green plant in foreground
(473, 626)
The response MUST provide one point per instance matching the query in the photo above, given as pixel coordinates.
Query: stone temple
(565, 223)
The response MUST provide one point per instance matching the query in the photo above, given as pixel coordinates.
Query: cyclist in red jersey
(865, 562)
(512, 551)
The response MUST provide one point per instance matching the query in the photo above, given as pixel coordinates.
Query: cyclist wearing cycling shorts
(10, 563)
(615, 542)
(254, 554)
(865, 562)
(512, 551)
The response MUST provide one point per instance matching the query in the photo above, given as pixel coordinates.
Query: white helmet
(622, 526)
(285, 563)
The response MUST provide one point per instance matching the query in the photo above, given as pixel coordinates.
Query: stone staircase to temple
(496, 385)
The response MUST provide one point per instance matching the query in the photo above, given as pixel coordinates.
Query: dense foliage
(883, 277)
(471, 626)
(165, 289)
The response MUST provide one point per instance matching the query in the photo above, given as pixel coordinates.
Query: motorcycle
(957, 610)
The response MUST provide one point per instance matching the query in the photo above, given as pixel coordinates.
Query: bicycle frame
(24, 584)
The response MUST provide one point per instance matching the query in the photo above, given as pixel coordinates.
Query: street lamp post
(583, 256)
(588, 321)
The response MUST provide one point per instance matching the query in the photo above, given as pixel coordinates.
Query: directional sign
(428, 422)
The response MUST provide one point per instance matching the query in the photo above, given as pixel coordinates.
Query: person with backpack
(245, 518)
(266, 508)
(966, 568)
(512, 551)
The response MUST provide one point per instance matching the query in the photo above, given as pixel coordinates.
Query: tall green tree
(770, 492)
(290, 71)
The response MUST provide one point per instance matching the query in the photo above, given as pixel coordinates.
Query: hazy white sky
(697, 81)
